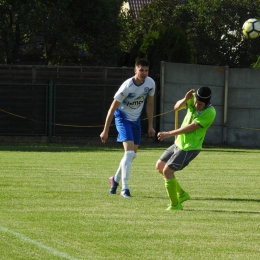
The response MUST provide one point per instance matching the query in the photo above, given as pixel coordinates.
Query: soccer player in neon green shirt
(199, 116)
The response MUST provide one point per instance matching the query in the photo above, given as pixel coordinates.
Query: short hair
(142, 62)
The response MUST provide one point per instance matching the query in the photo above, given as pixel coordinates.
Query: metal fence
(73, 101)
(57, 100)
(53, 109)
(23, 109)
(72, 110)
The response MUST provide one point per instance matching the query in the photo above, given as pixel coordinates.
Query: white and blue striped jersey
(132, 98)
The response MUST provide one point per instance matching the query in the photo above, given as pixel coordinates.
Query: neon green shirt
(194, 139)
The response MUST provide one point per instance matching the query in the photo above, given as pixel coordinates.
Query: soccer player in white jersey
(127, 107)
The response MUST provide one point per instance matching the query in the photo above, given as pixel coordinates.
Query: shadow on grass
(195, 198)
(216, 199)
(224, 211)
(227, 199)
(66, 147)
(224, 148)
(109, 146)
(60, 147)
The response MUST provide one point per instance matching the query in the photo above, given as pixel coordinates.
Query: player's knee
(159, 166)
(168, 173)
(129, 155)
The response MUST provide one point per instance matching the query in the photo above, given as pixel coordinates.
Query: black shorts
(177, 159)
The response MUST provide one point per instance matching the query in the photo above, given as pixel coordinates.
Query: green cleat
(185, 196)
(177, 207)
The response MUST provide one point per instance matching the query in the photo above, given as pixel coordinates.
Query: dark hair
(142, 62)
(203, 94)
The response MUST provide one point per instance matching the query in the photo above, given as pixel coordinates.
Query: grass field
(55, 205)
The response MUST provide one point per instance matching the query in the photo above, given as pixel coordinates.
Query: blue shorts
(128, 130)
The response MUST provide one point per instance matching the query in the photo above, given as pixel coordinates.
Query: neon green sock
(170, 186)
(179, 189)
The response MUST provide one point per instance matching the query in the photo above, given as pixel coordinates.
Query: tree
(10, 31)
(168, 45)
(154, 35)
(60, 31)
(213, 29)
(98, 27)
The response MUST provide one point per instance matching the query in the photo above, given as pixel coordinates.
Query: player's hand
(151, 132)
(189, 94)
(163, 135)
(103, 137)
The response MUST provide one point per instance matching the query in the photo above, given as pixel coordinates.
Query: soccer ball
(251, 28)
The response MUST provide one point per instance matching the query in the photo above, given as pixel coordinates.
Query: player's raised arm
(182, 102)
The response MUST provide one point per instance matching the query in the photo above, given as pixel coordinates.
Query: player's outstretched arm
(185, 129)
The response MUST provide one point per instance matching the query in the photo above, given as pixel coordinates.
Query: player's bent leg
(180, 190)
(118, 174)
(185, 196)
(114, 180)
(171, 188)
(160, 166)
(113, 185)
(126, 168)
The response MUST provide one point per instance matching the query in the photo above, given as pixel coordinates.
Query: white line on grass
(27, 239)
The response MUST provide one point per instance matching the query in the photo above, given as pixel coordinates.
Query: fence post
(50, 110)
(33, 74)
(162, 93)
(225, 141)
(176, 122)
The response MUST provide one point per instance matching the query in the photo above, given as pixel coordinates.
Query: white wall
(239, 126)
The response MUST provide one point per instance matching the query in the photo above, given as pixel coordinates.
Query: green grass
(55, 205)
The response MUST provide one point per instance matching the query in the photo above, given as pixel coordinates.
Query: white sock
(118, 174)
(126, 164)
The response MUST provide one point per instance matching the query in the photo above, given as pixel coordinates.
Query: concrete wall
(235, 96)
